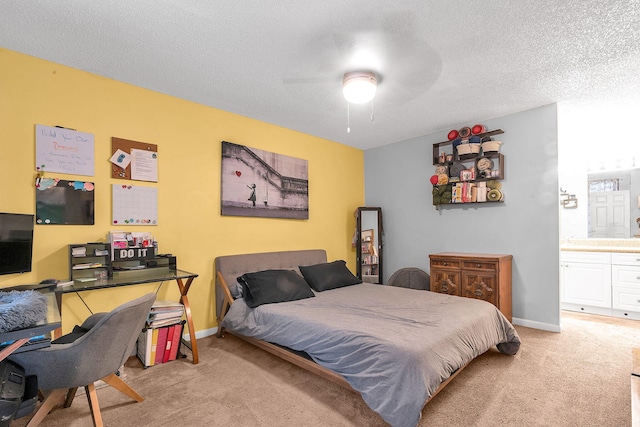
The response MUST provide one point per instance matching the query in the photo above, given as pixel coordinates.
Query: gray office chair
(410, 277)
(95, 355)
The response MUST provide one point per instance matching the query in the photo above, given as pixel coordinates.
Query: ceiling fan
(359, 87)
(396, 67)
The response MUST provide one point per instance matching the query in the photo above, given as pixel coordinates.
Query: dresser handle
(445, 263)
(478, 265)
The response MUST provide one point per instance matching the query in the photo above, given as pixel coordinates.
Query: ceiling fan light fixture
(359, 87)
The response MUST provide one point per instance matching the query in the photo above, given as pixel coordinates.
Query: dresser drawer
(588, 257)
(627, 299)
(622, 275)
(444, 262)
(625, 259)
(471, 264)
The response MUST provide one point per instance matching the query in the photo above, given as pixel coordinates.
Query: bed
(396, 347)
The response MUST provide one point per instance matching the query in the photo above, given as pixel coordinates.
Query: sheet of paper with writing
(64, 150)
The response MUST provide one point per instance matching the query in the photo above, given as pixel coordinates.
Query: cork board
(126, 146)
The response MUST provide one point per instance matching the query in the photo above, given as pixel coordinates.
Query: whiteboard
(64, 150)
(134, 205)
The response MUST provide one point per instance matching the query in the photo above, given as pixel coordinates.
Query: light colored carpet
(580, 377)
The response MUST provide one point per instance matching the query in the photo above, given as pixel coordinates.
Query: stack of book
(469, 192)
(160, 341)
(87, 265)
(79, 251)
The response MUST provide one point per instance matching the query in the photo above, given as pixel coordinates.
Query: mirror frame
(378, 233)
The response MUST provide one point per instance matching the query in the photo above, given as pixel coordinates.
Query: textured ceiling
(441, 63)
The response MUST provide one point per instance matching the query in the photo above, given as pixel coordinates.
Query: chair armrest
(91, 321)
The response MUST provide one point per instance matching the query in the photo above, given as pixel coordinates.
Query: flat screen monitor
(16, 242)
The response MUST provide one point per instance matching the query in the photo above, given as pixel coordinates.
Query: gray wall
(526, 225)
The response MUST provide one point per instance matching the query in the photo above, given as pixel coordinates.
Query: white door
(609, 214)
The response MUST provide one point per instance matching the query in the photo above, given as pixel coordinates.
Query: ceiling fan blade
(311, 80)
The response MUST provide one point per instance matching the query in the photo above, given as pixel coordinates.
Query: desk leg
(57, 333)
(184, 289)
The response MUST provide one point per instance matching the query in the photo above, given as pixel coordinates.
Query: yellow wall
(188, 135)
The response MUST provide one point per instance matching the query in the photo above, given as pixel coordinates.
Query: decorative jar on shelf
(491, 146)
(463, 149)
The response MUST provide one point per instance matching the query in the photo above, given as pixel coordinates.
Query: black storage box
(30, 398)
(12, 385)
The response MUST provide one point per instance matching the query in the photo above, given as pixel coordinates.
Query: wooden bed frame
(635, 388)
(279, 260)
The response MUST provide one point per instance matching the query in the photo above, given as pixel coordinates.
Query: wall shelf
(463, 178)
(439, 147)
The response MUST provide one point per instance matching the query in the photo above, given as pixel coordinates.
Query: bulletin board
(134, 160)
(134, 205)
(64, 150)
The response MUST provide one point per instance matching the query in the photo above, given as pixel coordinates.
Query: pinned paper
(144, 165)
(120, 158)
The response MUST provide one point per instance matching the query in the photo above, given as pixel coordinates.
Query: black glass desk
(137, 277)
(20, 337)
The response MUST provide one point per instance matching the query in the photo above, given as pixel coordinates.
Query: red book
(175, 343)
(167, 347)
(162, 343)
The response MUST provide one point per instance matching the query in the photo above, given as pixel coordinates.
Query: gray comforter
(393, 345)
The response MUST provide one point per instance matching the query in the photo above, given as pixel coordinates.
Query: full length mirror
(369, 254)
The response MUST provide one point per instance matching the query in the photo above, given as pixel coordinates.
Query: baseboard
(202, 334)
(536, 325)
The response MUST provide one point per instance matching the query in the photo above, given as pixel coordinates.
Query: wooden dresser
(480, 276)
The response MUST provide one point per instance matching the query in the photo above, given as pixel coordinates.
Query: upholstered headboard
(233, 266)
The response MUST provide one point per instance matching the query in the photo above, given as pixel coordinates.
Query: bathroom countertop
(601, 245)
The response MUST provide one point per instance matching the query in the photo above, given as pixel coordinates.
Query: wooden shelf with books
(369, 255)
(160, 340)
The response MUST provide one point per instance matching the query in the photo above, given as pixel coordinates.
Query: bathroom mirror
(598, 167)
(614, 204)
(369, 253)
(606, 205)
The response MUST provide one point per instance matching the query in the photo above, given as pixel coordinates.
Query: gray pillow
(273, 286)
(236, 290)
(331, 275)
